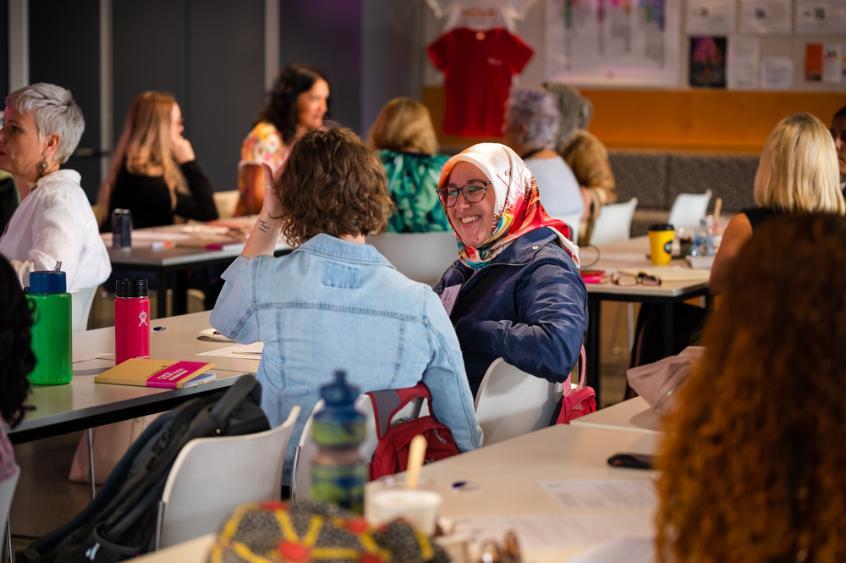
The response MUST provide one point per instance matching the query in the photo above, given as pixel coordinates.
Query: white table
(631, 255)
(505, 479)
(634, 415)
(82, 403)
(169, 265)
(171, 338)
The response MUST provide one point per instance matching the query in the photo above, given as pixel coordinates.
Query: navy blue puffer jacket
(528, 306)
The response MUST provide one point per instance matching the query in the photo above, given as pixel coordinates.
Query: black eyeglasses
(474, 192)
(642, 278)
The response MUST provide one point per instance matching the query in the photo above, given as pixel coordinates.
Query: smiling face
(21, 149)
(473, 222)
(312, 106)
(838, 130)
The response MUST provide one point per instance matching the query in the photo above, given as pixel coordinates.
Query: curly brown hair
(753, 463)
(334, 184)
(16, 357)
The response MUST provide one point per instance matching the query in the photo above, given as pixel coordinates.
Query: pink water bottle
(132, 320)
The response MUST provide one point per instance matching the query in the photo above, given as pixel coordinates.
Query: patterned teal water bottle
(338, 472)
(51, 329)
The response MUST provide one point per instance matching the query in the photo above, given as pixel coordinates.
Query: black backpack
(120, 522)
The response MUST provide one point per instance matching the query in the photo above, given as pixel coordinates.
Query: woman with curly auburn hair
(754, 454)
(335, 302)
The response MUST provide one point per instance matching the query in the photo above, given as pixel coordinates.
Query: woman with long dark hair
(298, 103)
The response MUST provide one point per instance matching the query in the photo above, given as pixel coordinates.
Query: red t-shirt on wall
(478, 67)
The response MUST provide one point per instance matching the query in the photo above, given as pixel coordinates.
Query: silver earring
(42, 168)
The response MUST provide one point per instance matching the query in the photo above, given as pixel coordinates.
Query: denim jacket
(333, 304)
(528, 306)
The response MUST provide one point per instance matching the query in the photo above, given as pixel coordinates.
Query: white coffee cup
(418, 507)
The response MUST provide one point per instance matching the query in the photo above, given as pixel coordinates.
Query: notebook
(164, 374)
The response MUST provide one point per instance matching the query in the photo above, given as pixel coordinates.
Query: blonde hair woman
(154, 171)
(406, 140)
(797, 173)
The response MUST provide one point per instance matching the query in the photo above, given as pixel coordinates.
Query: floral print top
(263, 145)
(412, 183)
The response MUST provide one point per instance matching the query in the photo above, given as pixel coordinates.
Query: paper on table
(631, 550)
(556, 531)
(673, 273)
(601, 493)
(85, 356)
(244, 351)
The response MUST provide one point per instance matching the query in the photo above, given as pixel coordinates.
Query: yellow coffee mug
(661, 244)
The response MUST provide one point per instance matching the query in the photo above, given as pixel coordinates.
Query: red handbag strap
(582, 366)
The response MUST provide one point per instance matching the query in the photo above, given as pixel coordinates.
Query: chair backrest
(422, 257)
(688, 209)
(573, 222)
(226, 202)
(80, 308)
(211, 476)
(306, 449)
(614, 223)
(7, 492)
(511, 402)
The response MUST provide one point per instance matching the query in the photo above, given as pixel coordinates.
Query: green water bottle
(51, 329)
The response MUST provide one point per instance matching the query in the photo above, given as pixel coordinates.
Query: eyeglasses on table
(641, 278)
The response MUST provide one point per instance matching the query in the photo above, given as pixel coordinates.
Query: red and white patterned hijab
(517, 210)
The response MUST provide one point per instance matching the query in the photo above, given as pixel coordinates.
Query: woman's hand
(182, 150)
(271, 206)
(265, 233)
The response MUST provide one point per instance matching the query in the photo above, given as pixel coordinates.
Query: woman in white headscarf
(515, 290)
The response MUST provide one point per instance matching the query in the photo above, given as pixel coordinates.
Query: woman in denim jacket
(515, 290)
(335, 302)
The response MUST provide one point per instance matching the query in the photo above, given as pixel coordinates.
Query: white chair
(226, 202)
(614, 223)
(7, 492)
(422, 257)
(80, 308)
(573, 221)
(306, 449)
(511, 402)
(688, 209)
(211, 476)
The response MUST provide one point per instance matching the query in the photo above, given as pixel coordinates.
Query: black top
(148, 197)
(759, 215)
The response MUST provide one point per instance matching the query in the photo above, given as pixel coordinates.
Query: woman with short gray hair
(42, 125)
(531, 128)
(585, 154)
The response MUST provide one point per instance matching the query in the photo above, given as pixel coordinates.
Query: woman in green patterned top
(406, 141)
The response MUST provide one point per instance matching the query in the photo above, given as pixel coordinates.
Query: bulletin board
(773, 45)
(662, 110)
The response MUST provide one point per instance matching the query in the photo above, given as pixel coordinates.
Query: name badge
(448, 297)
